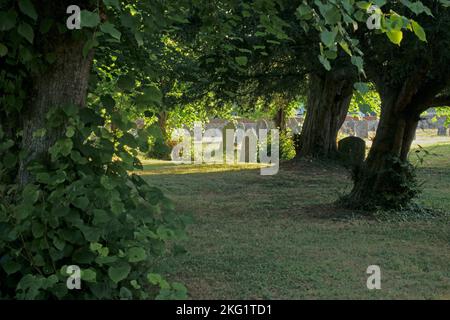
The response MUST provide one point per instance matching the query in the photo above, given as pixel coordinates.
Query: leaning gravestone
(352, 151)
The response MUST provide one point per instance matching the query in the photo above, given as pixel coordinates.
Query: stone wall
(353, 126)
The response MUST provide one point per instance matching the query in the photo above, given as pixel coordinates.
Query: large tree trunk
(162, 122)
(280, 118)
(386, 180)
(282, 104)
(63, 83)
(329, 98)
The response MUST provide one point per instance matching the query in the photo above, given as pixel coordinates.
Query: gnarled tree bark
(63, 83)
(383, 180)
(329, 98)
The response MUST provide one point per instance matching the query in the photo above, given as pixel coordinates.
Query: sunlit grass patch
(152, 167)
(275, 237)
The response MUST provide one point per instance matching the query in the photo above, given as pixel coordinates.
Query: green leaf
(88, 275)
(3, 50)
(27, 7)
(419, 31)
(119, 273)
(7, 20)
(126, 83)
(66, 147)
(362, 87)
(117, 207)
(39, 133)
(10, 160)
(358, 62)
(125, 293)
(324, 61)
(136, 254)
(242, 61)
(111, 30)
(37, 229)
(112, 3)
(70, 131)
(59, 243)
(10, 266)
(91, 234)
(139, 38)
(107, 183)
(396, 36)
(89, 19)
(26, 31)
(89, 45)
(108, 102)
(156, 279)
(328, 38)
(135, 284)
(81, 203)
(345, 47)
(30, 194)
(23, 211)
(150, 95)
(100, 217)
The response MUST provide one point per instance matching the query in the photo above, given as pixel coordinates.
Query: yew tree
(410, 79)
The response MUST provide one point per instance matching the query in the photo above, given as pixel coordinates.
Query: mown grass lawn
(281, 237)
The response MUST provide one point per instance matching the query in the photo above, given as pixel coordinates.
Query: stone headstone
(362, 129)
(261, 124)
(352, 151)
(441, 126)
(372, 125)
(294, 125)
(241, 126)
(248, 147)
(229, 126)
(348, 127)
(442, 131)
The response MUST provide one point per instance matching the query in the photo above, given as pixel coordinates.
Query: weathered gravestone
(442, 128)
(348, 128)
(442, 131)
(261, 125)
(352, 151)
(243, 141)
(362, 129)
(247, 151)
(372, 125)
(295, 125)
(229, 158)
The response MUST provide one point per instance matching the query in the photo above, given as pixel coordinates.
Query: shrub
(287, 145)
(84, 208)
(158, 146)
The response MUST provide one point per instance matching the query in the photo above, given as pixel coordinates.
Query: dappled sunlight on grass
(152, 167)
(276, 236)
(434, 173)
(438, 157)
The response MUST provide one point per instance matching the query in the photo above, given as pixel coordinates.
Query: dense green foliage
(86, 209)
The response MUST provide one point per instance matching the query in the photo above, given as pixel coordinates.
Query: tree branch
(441, 101)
